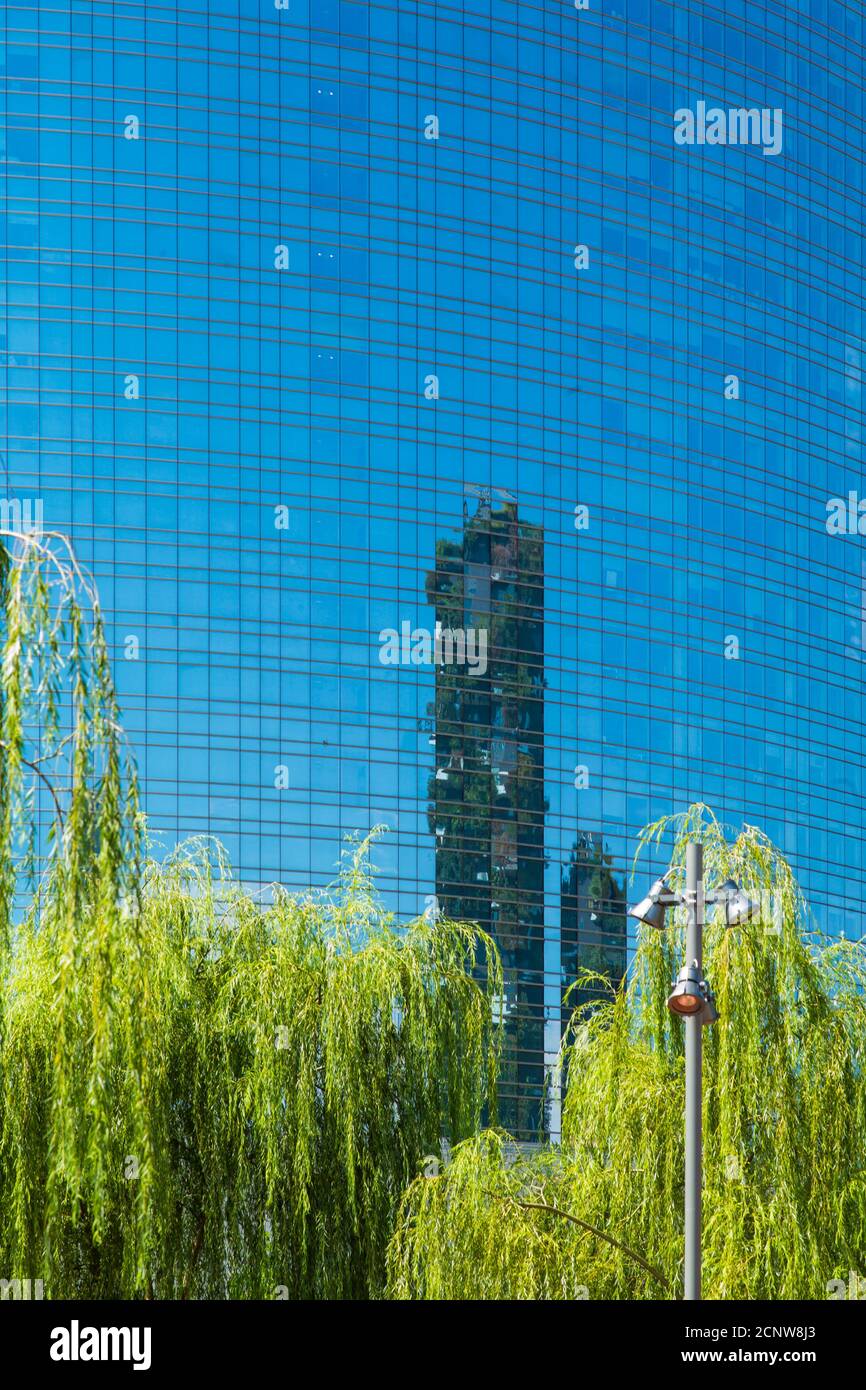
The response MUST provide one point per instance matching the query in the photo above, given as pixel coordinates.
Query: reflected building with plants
(488, 805)
(487, 802)
(593, 934)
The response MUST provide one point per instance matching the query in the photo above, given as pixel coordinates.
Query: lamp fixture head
(651, 909)
(738, 907)
(709, 1013)
(687, 997)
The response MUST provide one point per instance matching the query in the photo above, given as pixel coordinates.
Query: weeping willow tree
(600, 1216)
(203, 1093)
(69, 861)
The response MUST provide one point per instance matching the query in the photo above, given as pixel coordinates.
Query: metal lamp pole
(693, 1001)
(694, 1057)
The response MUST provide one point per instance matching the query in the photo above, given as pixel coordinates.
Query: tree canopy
(784, 1123)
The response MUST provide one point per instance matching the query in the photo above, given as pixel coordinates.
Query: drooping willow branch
(595, 1231)
(33, 764)
(57, 701)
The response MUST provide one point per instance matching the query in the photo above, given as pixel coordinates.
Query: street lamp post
(694, 1058)
(692, 998)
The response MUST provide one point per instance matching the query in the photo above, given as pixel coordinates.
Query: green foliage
(297, 1062)
(62, 747)
(784, 1124)
(201, 1094)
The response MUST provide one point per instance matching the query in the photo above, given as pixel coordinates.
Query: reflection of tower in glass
(487, 794)
(593, 937)
(593, 920)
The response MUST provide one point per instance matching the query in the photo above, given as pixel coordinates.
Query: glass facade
(450, 402)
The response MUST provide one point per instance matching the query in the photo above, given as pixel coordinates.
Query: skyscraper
(286, 284)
